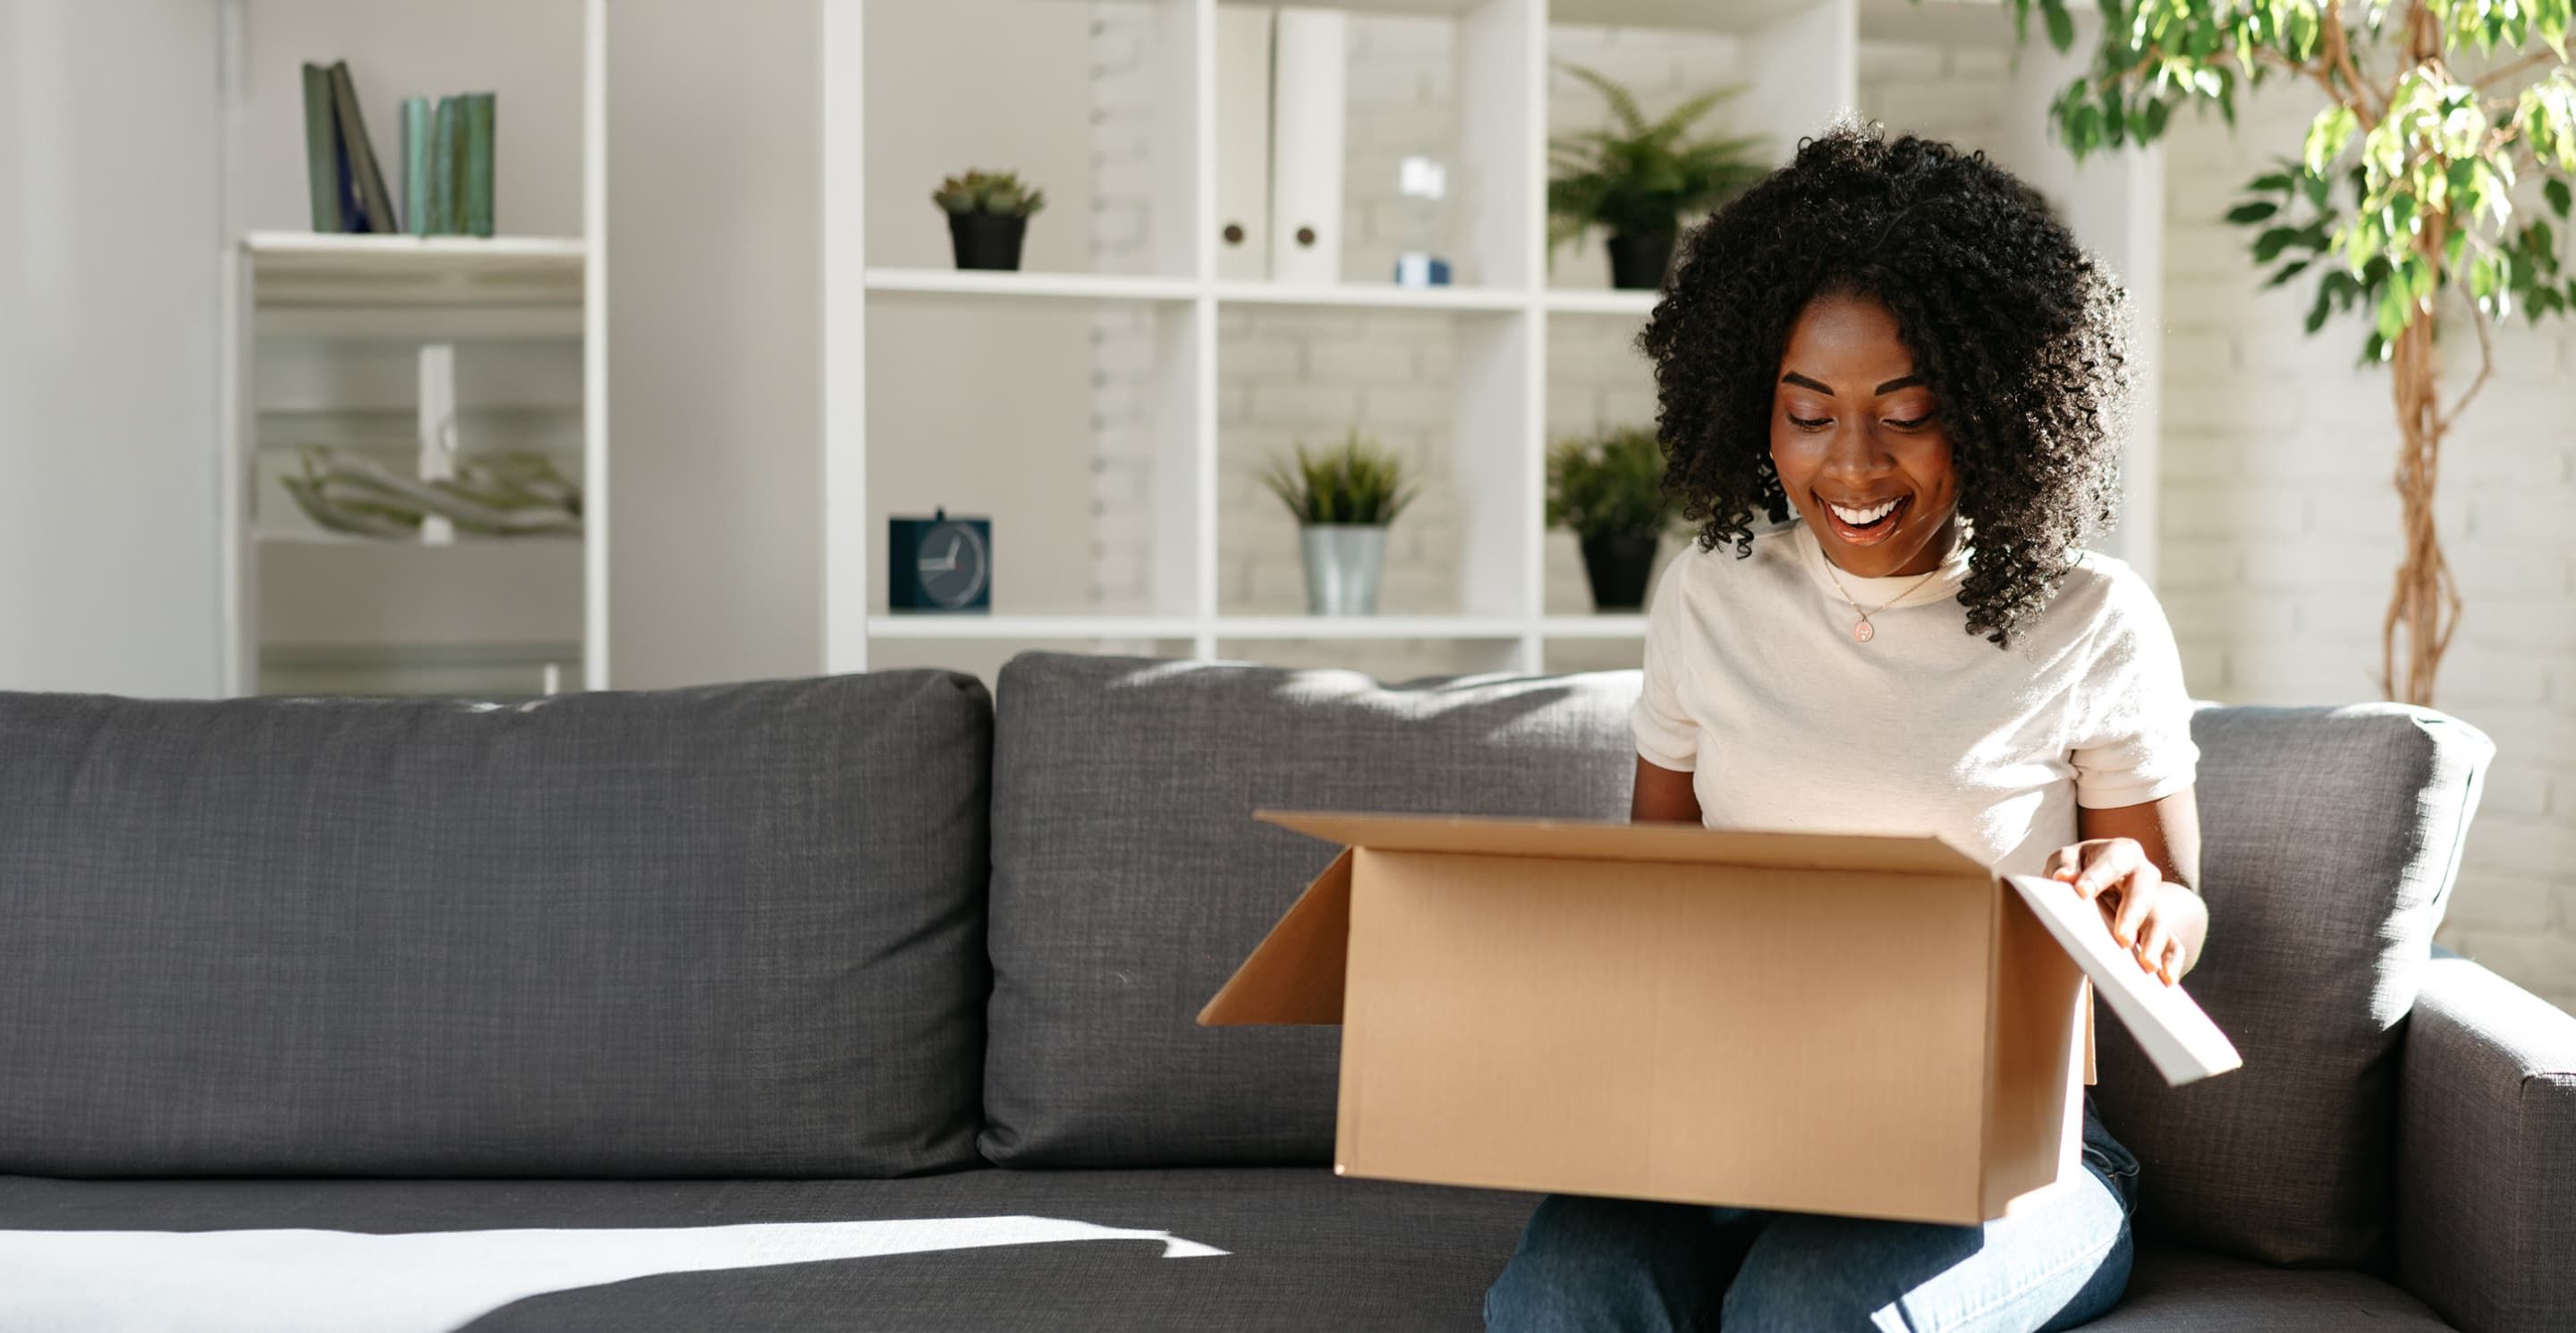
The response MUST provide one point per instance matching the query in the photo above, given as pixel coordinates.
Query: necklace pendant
(1863, 631)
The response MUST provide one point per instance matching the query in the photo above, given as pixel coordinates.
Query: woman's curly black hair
(2019, 335)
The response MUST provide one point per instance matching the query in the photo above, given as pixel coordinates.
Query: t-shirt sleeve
(2136, 744)
(1666, 735)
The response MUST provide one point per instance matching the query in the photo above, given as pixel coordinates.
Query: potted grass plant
(988, 215)
(1343, 499)
(1639, 177)
(1609, 490)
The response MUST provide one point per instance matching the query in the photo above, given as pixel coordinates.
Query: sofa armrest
(2486, 1153)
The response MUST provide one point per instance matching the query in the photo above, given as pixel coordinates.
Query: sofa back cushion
(1129, 878)
(734, 930)
(2330, 839)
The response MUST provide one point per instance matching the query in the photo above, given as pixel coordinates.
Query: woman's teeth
(1861, 518)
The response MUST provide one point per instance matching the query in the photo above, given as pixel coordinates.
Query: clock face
(952, 564)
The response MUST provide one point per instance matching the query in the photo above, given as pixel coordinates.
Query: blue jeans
(1625, 1266)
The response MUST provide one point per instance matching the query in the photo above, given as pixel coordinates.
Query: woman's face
(1856, 443)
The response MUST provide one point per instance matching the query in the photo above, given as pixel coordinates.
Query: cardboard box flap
(2170, 1028)
(1921, 854)
(1295, 976)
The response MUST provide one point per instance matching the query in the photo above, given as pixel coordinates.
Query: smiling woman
(1894, 352)
(1907, 300)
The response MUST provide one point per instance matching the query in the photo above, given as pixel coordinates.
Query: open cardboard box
(1825, 1023)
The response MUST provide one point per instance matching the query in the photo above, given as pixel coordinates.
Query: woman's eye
(1916, 423)
(1807, 423)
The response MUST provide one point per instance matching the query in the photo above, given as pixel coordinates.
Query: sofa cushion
(1061, 1251)
(2186, 1291)
(1129, 878)
(2330, 839)
(1064, 1251)
(735, 929)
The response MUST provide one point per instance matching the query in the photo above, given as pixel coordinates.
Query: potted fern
(1343, 499)
(988, 214)
(1639, 177)
(1610, 492)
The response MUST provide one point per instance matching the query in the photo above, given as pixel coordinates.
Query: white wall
(109, 180)
(714, 371)
(2280, 535)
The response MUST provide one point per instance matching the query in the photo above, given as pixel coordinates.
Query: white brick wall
(2280, 536)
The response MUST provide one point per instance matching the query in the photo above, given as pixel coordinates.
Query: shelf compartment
(1073, 425)
(1451, 397)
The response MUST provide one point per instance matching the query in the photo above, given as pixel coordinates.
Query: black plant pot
(987, 240)
(1640, 262)
(1620, 566)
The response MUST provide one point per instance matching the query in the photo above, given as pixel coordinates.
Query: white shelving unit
(1802, 58)
(299, 299)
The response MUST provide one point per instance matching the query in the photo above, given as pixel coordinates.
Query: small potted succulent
(1610, 491)
(988, 213)
(1343, 499)
(1639, 178)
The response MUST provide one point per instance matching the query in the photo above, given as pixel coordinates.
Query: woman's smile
(1863, 524)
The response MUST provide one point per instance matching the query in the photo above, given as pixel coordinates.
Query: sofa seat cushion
(1129, 878)
(733, 930)
(2188, 1291)
(1302, 1250)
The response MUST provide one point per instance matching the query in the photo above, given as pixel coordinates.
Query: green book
(479, 112)
(321, 149)
(443, 140)
(415, 158)
(375, 202)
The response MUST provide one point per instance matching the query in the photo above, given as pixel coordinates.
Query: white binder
(1243, 142)
(1309, 82)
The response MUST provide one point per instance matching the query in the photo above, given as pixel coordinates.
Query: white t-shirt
(1755, 685)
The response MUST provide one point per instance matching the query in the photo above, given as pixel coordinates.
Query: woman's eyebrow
(1902, 382)
(1803, 382)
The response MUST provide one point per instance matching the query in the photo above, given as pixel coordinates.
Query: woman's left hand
(2151, 917)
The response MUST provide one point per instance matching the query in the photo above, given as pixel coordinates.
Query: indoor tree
(2446, 123)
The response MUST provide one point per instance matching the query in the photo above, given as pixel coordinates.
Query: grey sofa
(864, 1003)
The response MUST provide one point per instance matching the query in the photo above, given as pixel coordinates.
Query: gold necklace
(1862, 630)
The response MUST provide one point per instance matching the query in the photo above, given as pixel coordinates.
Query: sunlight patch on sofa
(305, 1281)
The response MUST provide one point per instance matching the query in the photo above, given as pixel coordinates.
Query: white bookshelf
(308, 316)
(1801, 59)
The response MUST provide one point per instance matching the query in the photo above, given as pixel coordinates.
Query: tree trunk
(2425, 606)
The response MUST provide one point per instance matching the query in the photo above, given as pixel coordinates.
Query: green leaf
(2061, 24)
(2268, 246)
(2555, 191)
(2321, 307)
(2252, 211)
(2288, 271)
(2157, 111)
(2327, 134)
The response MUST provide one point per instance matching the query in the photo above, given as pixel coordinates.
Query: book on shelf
(415, 165)
(444, 138)
(445, 168)
(321, 149)
(366, 177)
(480, 112)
